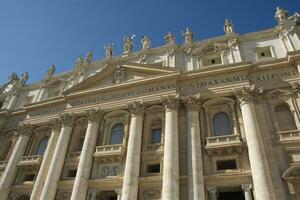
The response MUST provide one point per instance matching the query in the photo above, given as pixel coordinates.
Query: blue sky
(37, 33)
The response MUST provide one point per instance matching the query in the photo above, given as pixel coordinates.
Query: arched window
(285, 118)
(156, 131)
(116, 136)
(221, 124)
(42, 146)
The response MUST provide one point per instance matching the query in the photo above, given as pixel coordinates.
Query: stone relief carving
(128, 44)
(119, 74)
(107, 170)
(64, 195)
(248, 93)
(146, 42)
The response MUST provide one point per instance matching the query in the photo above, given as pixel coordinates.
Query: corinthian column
(41, 177)
(132, 165)
(86, 157)
(170, 187)
(195, 165)
(58, 159)
(258, 160)
(247, 191)
(9, 175)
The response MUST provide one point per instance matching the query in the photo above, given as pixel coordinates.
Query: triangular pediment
(122, 74)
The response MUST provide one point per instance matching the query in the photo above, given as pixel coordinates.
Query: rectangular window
(264, 53)
(153, 168)
(226, 164)
(72, 173)
(28, 177)
(156, 135)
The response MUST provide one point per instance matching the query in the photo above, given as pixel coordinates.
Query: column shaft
(57, 162)
(257, 160)
(170, 188)
(41, 177)
(11, 169)
(195, 165)
(132, 165)
(80, 187)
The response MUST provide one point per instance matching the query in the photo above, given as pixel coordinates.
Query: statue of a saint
(88, 57)
(13, 77)
(25, 77)
(281, 15)
(228, 27)
(109, 51)
(51, 71)
(128, 44)
(80, 61)
(188, 36)
(170, 38)
(146, 42)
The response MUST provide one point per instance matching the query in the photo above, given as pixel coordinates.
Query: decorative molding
(66, 119)
(95, 115)
(151, 194)
(25, 129)
(171, 102)
(248, 93)
(137, 107)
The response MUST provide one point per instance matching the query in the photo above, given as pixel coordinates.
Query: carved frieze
(119, 74)
(108, 170)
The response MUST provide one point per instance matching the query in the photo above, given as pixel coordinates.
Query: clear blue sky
(37, 33)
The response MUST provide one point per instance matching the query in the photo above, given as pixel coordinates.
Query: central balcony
(226, 144)
(110, 153)
(289, 137)
(30, 162)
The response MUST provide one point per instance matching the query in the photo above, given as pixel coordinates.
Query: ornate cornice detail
(66, 119)
(248, 93)
(95, 115)
(137, 107)
(192, 102)
(25, 129)
(247, 187)
(55, 124)
(170, 102)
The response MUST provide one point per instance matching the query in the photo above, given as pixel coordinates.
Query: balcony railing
(289, 136)
(32, 161)
(152, 148)
(110, 153)
(223, 144)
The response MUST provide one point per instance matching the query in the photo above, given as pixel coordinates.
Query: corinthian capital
(95, 115)
(25, 129)
(247, 187)
(55, 124)
(192, 102)
(170, 102)
(137, 107)
(66, 119)
(248, 93)
(296, 88)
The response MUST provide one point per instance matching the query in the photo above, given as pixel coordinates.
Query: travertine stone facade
(215, 119)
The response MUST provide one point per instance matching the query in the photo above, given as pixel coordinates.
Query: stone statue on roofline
(170, 38)
(281, 15)
(108, 50)
(188, 36)
(228, 27)
(146, 42)
(24, 78)
(80, 61)
(13, 78)
(88, 58)
(51, 71)
(128, 44)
